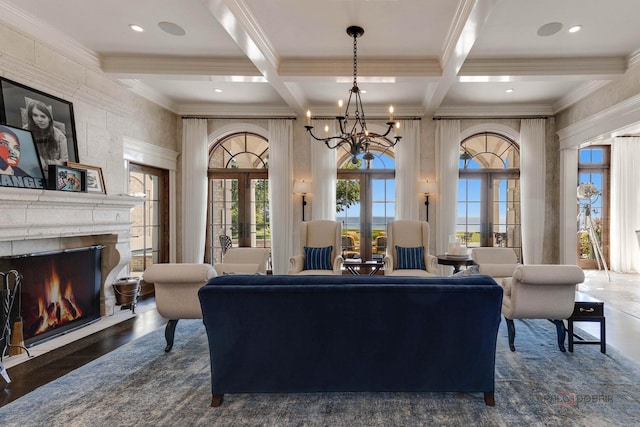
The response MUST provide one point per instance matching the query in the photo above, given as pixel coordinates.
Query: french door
(489, 209)
(367, 203)
(238, 210)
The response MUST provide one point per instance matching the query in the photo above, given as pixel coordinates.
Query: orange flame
(56, 308)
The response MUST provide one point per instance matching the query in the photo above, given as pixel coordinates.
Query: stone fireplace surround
(41, 220)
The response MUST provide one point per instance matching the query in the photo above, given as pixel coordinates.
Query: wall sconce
(303, 187)
(427, 187)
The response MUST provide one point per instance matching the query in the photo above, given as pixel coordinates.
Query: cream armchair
(540, 292)
(408, 234)
(244, 261)
(319, 234)
(495, 262)
(176, 288)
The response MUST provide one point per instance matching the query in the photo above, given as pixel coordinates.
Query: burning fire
(56, 308)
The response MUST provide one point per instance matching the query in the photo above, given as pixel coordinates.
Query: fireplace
(48, 221)
(60, 291)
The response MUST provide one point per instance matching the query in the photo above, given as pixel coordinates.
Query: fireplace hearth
(60, 291)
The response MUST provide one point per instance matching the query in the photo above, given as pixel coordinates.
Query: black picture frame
(60, 138)
(19, 166)
(65, 178)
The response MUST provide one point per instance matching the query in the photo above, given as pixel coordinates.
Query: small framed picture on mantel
(95, 179)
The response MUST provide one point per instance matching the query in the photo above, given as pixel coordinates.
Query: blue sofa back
(348, 333)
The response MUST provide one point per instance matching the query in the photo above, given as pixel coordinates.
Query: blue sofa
(303, 334)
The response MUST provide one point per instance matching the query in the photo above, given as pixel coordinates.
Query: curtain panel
(407, 157)
(532, 189)
(280, 193)
(447, 155)
(323, 174)
(194, 189)
(625, 205)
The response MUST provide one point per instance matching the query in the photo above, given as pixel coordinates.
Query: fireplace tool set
(10, 292)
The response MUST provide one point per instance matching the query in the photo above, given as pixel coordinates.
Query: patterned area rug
(139, 384)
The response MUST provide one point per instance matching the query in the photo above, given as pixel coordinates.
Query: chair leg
(169, 333)
(511, 330)
(216, 400)
(561, 334)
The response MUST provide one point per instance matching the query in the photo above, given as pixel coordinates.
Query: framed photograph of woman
(95, 179)
(49, 119)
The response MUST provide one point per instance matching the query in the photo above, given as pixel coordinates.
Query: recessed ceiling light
(549, 29)
(171, 28)
(575, 28)
(363, 91)
(136, 28)
(509, 90)
(217, 90)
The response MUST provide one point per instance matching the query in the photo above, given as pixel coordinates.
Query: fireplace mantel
(44, 220)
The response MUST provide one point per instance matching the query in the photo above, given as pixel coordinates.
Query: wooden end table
(587, 309)
(455, 261)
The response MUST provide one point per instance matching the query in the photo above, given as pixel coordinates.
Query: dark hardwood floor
(45, 368)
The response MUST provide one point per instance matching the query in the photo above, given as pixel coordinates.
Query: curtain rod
(491, 117)
(368, 118)
(239, 118)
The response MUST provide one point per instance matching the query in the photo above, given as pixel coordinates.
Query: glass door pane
(223, 208)
(260, 231)
(383, 209)
(348, 212)
(470, 216)
(505, 213)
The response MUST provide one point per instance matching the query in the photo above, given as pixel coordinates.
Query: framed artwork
(95, 179)
(64, 178)
(49, 118)
(19, 161)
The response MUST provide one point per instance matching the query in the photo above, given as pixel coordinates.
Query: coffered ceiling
(280, 57)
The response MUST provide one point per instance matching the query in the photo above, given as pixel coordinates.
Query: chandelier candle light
(354, 135)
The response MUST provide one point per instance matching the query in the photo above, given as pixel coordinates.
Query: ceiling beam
(469, 20)
(236, 18)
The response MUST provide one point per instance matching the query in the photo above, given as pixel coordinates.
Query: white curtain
(323, 173)
(532, 185)
(407, 156)
(447, 159)
(280, 193)
(194, 189)
(625, 205)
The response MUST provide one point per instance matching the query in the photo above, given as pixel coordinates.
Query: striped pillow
(410, 258)
(317, 258)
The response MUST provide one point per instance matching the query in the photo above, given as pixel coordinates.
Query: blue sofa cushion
(410, 258)
(317, 258)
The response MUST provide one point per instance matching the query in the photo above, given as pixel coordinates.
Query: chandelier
(354, 136)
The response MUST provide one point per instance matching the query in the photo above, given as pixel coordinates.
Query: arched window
(238, 205)
(365, 203)
(489, 192)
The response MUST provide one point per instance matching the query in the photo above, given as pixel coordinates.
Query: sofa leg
(169, 332)
(216, 400)
(561, 334)
(511, 330)
(489, 398)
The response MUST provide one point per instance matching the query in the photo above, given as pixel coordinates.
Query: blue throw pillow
(317, 258)
(410, 258)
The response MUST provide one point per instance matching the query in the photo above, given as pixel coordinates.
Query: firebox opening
(60, 291)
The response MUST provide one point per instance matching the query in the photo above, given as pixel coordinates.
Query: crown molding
(601, 124)
(235, 110)
(122, 65)
(606, 67)
(633, 59)
(55, 39)
(497, 111)
(145, 153)
(374, 111)
(28, 74)
(141, 89)
(577, 94)
(366, 67)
